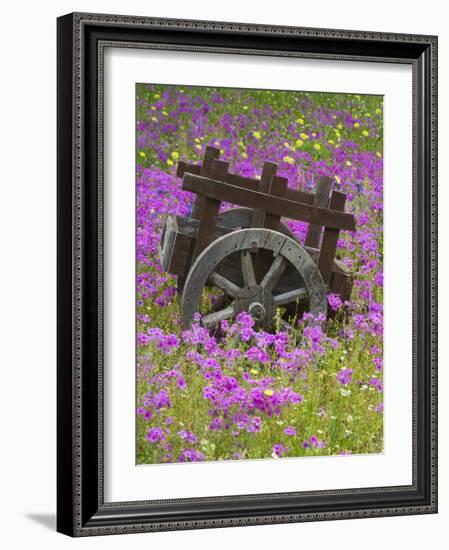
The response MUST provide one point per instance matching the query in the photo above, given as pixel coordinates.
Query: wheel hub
(258, 302)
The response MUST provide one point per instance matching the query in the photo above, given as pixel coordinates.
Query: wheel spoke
(224, 284)
(291, 296)
(249, 276)
(275, 272)
(212, 319)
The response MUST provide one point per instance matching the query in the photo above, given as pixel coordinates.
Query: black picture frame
(81, 509)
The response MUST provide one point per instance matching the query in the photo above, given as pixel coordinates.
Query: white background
(27, 229)
(125, 482)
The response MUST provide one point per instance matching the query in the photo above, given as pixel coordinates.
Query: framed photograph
(247, 275)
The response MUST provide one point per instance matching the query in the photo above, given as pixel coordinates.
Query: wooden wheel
(242, 218)
(259, 298)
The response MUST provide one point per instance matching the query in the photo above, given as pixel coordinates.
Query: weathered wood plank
(264, 258)
(268, 172)
(341, 284)
(224, 284)
(212, 319)
(278, 187)
(291, 296)
(330, 239)
(183, 166)
(221, 191)
(321, 199)
(249, 276)
(181, 256)
(165, 248)
(209, 209)
(210, 154)
(275, 272)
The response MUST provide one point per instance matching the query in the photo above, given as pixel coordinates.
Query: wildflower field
(244, 393)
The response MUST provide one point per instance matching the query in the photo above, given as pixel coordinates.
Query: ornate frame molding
(81, 510)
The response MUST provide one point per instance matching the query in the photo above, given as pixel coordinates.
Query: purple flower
(257, 354)
(379, 408)
(334, 301)
(162, 400)
(377, 384)
(188, 436)
(290, 430)
(155, 434)
(254, 425)
(278, 450)
(344, 377)
(191, 455)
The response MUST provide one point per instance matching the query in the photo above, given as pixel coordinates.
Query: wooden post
(210, 154)
(264, 258)
(210, 208)
(330, 239)
(268, 171)
(277, 189)
(321, 199)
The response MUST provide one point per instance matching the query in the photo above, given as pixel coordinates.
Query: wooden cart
(248, 252)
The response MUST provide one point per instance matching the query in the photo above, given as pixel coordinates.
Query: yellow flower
(300, 120)
(348, 163)
(154, 119)
(221, 151)
(153, 108)
(245, 155)
(254, 371)
(331, 141)
(313, 134)
(156, 96)
(378, 111)
(304, 136)
(356, 124)
(357, 96)
(317, 146)
(256, 135)
(365, 133)
(245, 107)
(165, 113)
(337, 179)
(299, 142)
(290, 160)
(198, 147)
(379, 154)
(170, 162)
(269, 393)
(368, 115)
(175, 155)
(142, 154)
(339, 126)
(197, 140)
